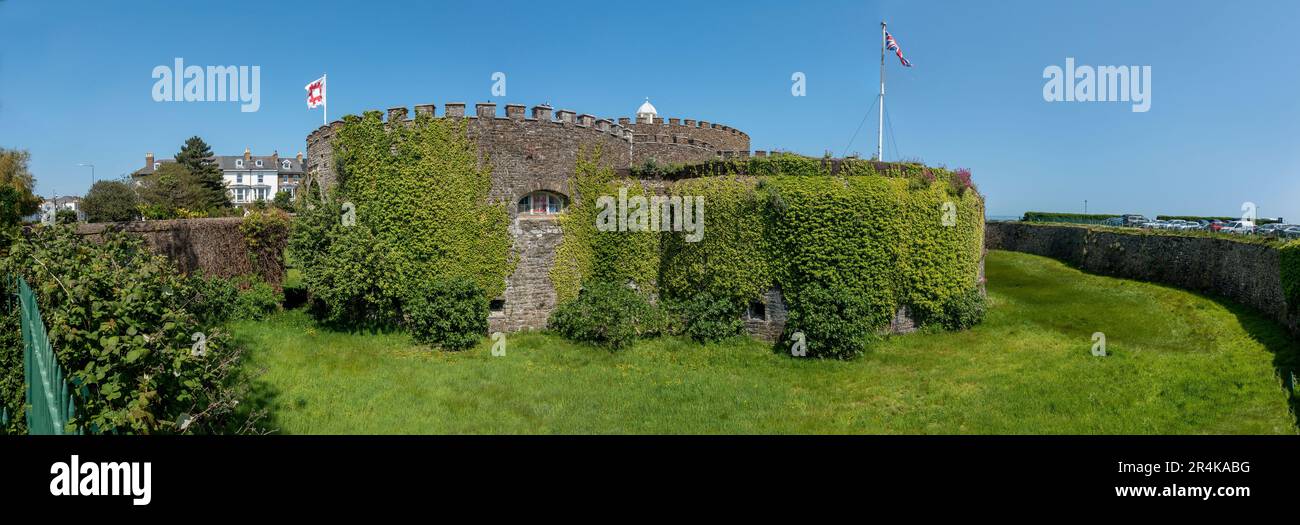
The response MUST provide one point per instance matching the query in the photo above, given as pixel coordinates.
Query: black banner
(232, 475)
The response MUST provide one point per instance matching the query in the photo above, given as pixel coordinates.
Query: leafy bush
(965, 310)
(122, 326)
(110, 201)
(266, 234)
(212, 299)
(170, 189)
(354, 284)
(834, 324)
(1042, 216)
(609, 315)
(450, 314)
(256, 300)
(706, 317)
(65, 216)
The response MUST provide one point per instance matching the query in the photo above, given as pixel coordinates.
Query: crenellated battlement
(488, 112)
(530, 134)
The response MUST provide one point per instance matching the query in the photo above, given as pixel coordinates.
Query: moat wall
(214, 247)
(1246, 273)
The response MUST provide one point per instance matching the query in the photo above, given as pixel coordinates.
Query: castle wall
(537, 148)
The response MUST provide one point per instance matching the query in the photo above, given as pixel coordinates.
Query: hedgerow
(124, 327)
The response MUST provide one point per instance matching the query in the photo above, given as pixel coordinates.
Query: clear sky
(1223, 127)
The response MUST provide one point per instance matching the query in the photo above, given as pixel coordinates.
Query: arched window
(541, 203)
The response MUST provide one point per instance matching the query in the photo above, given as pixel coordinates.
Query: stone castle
(534, 156)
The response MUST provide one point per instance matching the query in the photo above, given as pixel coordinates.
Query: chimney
(275, 156)
(248, 155)
(299, 158)
(148, 160)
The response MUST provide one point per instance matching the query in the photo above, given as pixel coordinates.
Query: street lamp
(92, 172)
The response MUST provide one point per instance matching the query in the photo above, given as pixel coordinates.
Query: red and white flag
(316, 93)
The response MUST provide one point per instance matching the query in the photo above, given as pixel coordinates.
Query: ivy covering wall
(586, 253)
(411, 207)
(866, 241)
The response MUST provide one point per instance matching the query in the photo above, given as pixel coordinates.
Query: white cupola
(646, 113)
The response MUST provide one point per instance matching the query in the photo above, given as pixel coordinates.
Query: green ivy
(1289, 267)
(411, 207)
(874, 231)
(586, 254)
(423, 192)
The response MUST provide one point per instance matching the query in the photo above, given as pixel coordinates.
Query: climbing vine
(412, 206)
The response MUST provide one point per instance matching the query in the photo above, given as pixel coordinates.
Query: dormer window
(239, 163)
(541, 203)
(258, 163)
(157, 165)
(286, 165)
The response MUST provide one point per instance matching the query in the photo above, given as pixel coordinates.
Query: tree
(14, 174)
(284, 200)
(110, 201)
(197, 157)
(172, 191)
(65, 216)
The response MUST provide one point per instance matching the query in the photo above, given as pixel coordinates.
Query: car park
(1239, 227)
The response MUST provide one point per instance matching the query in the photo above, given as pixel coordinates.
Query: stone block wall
(215, 247)
(1246, 273)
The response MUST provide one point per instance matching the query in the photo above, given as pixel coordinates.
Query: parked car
(1291, 232)
(1216, 225)
(1113, 221)
(1240, 227)
(1135, 220)
(1271, 229)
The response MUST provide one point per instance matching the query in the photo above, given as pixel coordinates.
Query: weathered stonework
(537, 149)
(530, 294)
(1246, 273)
(213, 247)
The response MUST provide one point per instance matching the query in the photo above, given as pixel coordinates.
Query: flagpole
(325, 101)
(880, 133)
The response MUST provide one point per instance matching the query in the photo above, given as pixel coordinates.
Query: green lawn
(1179, 363)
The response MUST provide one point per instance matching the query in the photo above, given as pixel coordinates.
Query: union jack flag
(892, 45)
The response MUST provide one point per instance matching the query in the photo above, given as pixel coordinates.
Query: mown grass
(1179, 363)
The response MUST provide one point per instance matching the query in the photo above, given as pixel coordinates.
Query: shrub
(450, 314)
(110, 201)
(964, 310)
(353, 284)
(171, 188)
(124, 332)
(706, 317)
(609, 315)
(835, 325)
(266, 234)
(212, 298)
(256, 300)
(65, 216)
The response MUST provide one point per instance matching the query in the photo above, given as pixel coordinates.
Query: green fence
(49, 400)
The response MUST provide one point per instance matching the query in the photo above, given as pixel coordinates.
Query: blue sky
(1223, 128)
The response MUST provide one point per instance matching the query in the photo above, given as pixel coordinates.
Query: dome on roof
(646, 108)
